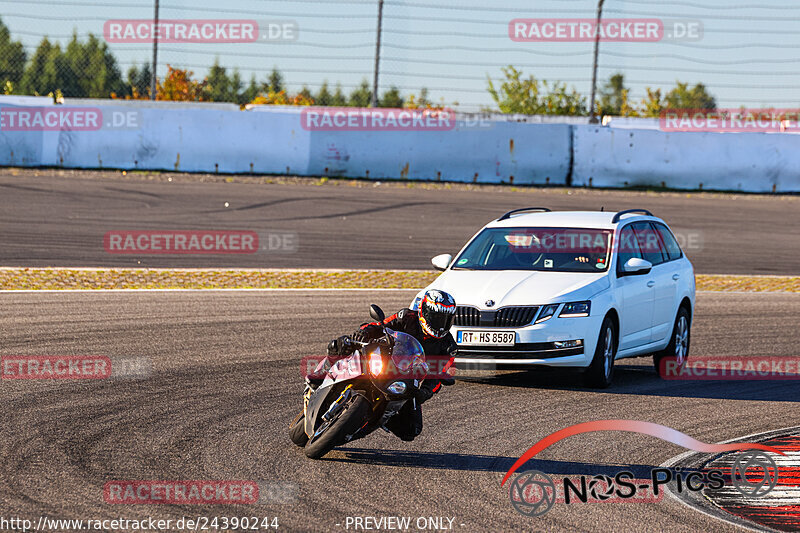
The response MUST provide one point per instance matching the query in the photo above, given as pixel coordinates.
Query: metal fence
(444, 52)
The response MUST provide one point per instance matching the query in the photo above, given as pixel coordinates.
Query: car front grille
(467, 316)
(505, 317)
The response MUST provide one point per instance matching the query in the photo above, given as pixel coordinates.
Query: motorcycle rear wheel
(353, 416)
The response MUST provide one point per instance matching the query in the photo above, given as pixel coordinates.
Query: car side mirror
(441, 262)
(636, 266)
(376, 313)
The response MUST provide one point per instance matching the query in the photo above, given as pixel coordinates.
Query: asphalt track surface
(48, 220)
(225, 382)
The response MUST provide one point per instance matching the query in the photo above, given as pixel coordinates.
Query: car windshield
(545, 249)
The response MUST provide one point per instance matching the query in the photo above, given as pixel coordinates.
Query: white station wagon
(570, 289)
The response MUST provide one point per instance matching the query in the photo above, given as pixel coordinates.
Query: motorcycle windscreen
(408, 356)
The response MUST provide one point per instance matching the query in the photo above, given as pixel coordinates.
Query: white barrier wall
(753, 162)
(193, 140)
(490, 152)
(272, 140)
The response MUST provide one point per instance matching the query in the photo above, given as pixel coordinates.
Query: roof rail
(626, 211)
(508, 215)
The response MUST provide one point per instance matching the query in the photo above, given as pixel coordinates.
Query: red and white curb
(777, 511)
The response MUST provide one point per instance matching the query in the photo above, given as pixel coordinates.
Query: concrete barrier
(752, 162)
(271, 140)
(162, 138)
(479, 148)
(490, 152)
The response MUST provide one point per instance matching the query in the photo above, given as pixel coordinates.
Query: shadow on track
(641, 380)
(476, 463)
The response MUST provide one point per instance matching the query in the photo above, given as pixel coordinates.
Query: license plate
(486, 338)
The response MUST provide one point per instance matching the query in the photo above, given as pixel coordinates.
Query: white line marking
(12, 291)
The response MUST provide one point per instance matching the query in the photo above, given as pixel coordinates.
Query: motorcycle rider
(430, 325)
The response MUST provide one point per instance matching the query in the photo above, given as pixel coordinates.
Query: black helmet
(437, 309)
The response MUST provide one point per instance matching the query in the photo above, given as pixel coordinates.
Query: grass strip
(141, 278)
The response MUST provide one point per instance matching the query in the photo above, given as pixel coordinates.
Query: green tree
(361, 96)
(653, 104)
(89, 70)
(612, 96)
(305, 92)
(532, 97)
(324, 96)
(683, 97)
(249, 94)
(424, 100)
(139, 80)
(219, 88)
(338, 99)
(41, 76)
(275, 82)
(12, 58)
(391, 98)
(236, 87)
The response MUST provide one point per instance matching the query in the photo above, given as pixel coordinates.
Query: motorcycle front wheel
(297, 430)
(353, 416)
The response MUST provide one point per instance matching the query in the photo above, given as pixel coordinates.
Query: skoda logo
(489, 303)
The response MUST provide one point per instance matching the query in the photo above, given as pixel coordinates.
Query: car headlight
(575, 309)
(547, 313)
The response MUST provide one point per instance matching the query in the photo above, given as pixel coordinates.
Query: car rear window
(649, 243)
(671, 246)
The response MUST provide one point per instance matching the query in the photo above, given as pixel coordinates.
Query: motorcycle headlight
(398, 387)
(547, 313)
(575, 309)
(375, 363)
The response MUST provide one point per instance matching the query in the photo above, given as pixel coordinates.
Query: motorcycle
(361, 392)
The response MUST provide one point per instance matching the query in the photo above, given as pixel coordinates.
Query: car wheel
(601, 370)
(678, 348)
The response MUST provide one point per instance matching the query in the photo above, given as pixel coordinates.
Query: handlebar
(383, 341)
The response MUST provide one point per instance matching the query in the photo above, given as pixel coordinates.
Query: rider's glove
(340, 347)
(368, 333)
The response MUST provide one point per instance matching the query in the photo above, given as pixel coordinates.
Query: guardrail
(479, 148)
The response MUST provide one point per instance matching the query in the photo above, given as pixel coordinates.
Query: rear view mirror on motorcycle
(376, 313)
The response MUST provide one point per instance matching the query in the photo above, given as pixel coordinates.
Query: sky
(747, 53)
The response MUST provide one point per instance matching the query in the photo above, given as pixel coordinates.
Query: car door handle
(651, 283)
(676, 277)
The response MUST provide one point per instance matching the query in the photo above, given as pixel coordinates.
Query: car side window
(672, 248)
(649, 243)
(627, 247)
